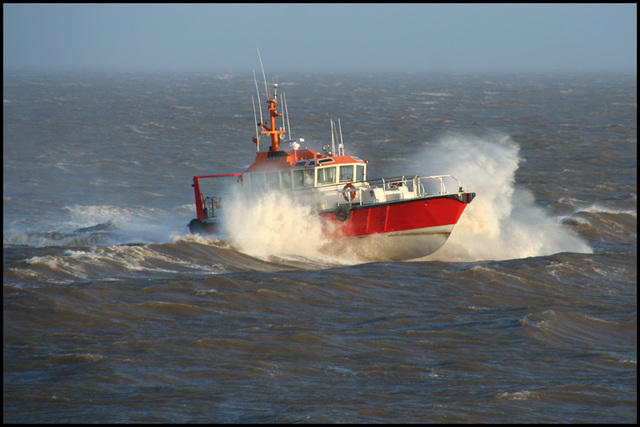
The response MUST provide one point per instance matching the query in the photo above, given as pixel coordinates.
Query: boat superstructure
(402, 217)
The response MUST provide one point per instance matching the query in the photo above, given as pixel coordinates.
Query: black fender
(342, 213)
(196, 226)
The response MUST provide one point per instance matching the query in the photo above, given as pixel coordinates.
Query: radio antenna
(258, 93)
(286, 113)
(341, 146)
(333, 142)
(266, 91)
(255, 119)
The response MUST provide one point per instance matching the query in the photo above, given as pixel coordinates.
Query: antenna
(286, 112)
(266, 91)
(333, 142)
(258, 93)
(341, 146)
(255, 119)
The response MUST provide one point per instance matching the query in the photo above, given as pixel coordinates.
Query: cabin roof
(278, 160)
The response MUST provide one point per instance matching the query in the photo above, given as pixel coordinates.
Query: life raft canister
(349, 192)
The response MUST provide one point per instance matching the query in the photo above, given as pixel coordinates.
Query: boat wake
(504, 221)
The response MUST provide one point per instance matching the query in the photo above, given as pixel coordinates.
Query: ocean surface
(113, 312)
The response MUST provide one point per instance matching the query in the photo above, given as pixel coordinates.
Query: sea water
(113, 312)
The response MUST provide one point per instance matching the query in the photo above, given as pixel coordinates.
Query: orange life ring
(349, 187)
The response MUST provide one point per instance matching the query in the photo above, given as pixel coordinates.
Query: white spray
(503, 221)
(273, 224)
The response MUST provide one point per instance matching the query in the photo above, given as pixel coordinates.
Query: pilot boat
(393, 218)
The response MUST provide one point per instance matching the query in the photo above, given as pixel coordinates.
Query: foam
(103, 225)
(275, 225)
(596, 208)
(503, 221)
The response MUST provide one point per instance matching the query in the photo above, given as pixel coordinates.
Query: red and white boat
(395, 218)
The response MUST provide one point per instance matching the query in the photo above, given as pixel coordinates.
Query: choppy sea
(113, 312)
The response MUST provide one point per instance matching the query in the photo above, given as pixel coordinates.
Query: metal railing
(354, 193)
(402, 187)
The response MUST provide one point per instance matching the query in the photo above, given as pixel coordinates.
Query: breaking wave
(503, 221)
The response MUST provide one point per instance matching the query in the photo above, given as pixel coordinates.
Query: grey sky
(321, 36)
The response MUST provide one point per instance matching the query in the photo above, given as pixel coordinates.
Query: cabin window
(303, 178)
(323, 161)
(273, 180)
(346, 173)
(285, 177)
(257, 181)
(327, 175)
(359, 173)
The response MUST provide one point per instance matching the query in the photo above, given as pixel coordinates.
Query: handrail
(414, 179)
(224, 175)
(399, 186)
(201, 212)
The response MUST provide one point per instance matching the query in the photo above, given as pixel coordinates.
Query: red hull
(397, 217)
(391, 231)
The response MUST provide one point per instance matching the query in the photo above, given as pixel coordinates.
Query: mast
(276, 135)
